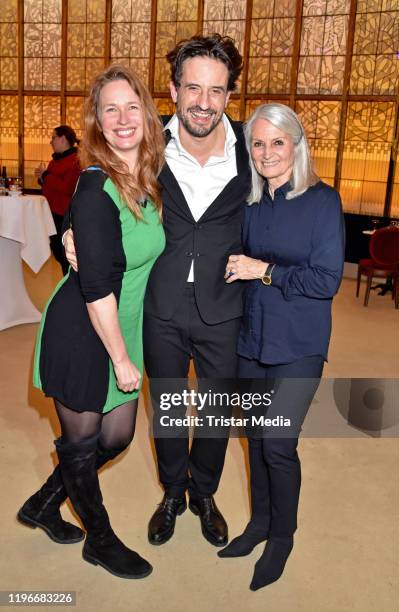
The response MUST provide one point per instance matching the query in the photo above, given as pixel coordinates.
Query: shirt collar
(282, 190)
(173, 127)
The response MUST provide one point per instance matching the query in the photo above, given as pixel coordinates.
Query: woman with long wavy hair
(89, 345)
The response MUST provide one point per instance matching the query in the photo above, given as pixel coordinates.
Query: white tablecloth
(25, 226)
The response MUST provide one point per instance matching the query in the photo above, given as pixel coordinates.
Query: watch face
(267, 280)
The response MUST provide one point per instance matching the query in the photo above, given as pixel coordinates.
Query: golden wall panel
(362, 75)
(8, 54)
(48, 11)
(261, 37)
(215, 10)
(95, 33)
(162, 75)
(323, 44)
(9, 73)
(375, 69)
(76, 11)
(120, 40)
(280, 74)
(42, 45)
(8, 39)
(52, 73)
(177, 10)
(332, 74)
(76, 40)
(262, 8)
(33, 73)
(33, 39)
(140, 40)
(9, 111)
(258, 75)
(51, 40)
(74, 113)
(75, 74)
(131, 35)
(86, 11)
(283, 36)
(93, 67)
(141, 67)
(386, 79)
(285, 8)
(9, 11)
(233, 109)
(321, 123)
(366, 33)
(95, 10)
(131, 10)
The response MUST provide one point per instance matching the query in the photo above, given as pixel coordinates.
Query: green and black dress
(115, 254)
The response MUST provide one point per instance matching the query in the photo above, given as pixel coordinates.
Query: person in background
(89, 348)
(293, 243)
(58, 182)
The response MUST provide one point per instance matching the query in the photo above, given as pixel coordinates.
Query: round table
(25, 226)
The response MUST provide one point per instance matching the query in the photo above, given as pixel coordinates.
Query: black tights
(115, 428)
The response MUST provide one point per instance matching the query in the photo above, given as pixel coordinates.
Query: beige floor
(346, 551)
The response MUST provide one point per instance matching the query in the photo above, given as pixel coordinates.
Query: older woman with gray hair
(293, 244)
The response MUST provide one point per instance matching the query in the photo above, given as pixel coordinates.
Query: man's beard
(197, 130)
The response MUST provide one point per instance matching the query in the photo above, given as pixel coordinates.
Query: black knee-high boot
(42, 509)
(257, 529)
(78, 463)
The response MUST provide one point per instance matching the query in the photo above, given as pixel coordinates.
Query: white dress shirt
(200, 184)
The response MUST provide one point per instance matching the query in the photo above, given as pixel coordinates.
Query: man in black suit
(190, 312)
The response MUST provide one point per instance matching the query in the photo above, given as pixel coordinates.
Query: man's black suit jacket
(208, 241)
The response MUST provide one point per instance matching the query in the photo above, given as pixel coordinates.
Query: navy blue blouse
(304, 237)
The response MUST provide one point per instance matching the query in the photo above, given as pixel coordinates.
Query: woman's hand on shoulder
(127, 375)
(241, 267)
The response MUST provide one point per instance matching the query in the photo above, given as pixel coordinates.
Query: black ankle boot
(78, 463)
(271, 564)
(43, 510)
(257, 530)
(245, 543)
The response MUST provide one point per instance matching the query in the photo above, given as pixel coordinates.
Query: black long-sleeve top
(304, 238)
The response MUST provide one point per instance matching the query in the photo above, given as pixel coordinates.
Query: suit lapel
(170, 184)
(240, 181)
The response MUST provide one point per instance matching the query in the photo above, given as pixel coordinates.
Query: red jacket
(59, 180)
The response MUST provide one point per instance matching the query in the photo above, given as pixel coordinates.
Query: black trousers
(56, 243)
(274, 463)
(168, 348)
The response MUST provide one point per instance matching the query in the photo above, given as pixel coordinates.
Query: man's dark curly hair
(215, 46)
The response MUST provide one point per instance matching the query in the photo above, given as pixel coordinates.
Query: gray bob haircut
(286, 120)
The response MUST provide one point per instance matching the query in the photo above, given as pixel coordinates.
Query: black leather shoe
(162, 523)
(213, 525)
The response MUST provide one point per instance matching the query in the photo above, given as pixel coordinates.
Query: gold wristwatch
(267, 277)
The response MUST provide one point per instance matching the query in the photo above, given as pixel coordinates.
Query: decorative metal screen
(335, 61)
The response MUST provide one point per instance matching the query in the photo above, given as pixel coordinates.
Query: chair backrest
(384, 246)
